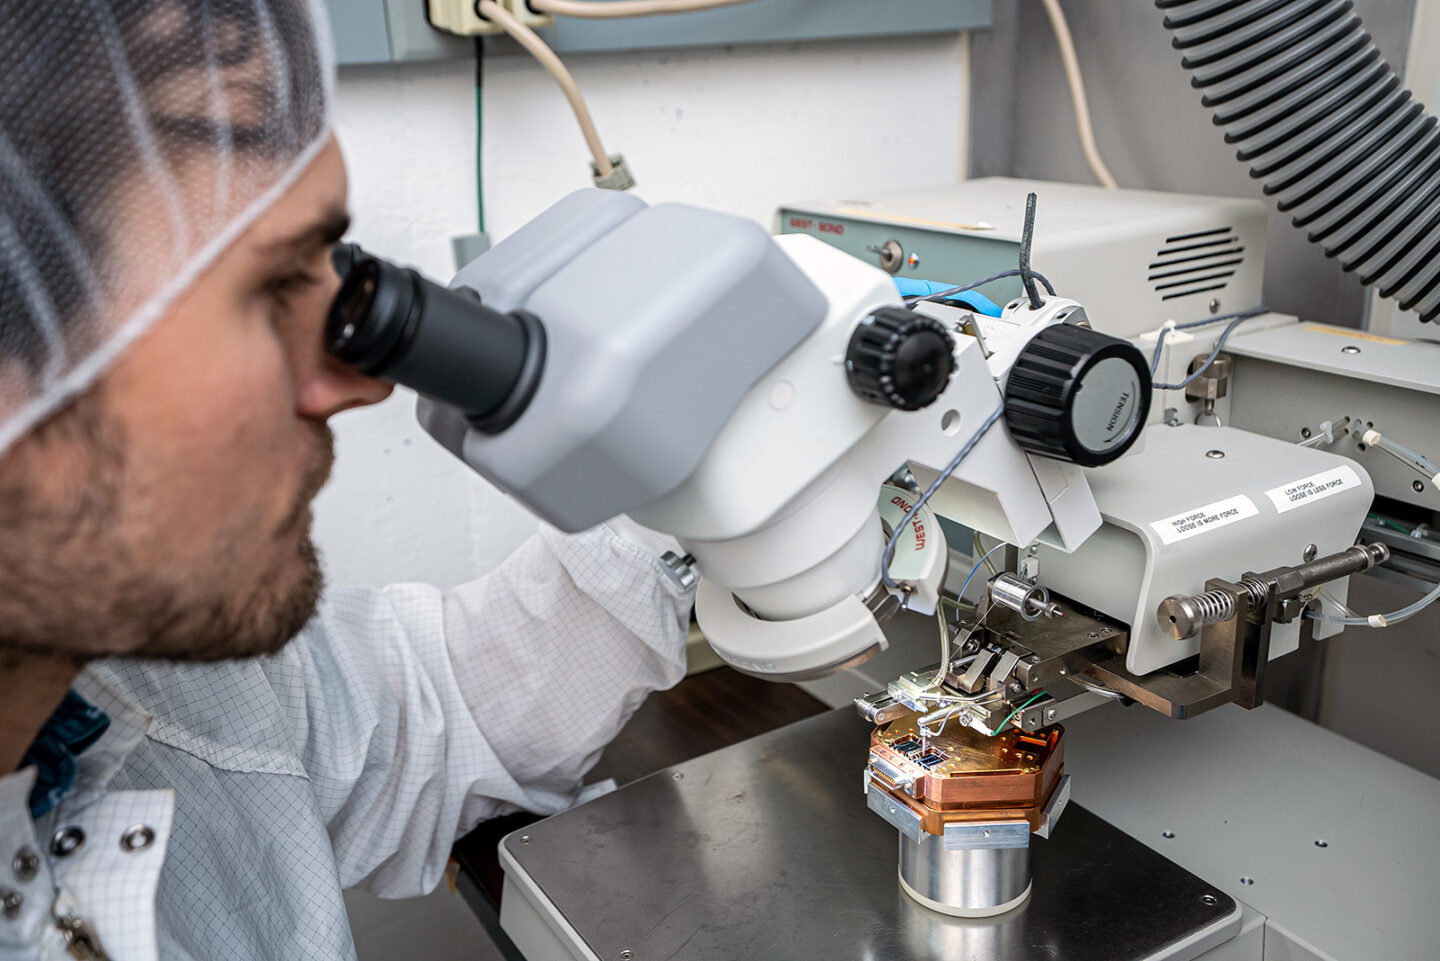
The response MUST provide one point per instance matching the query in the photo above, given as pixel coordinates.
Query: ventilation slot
(1198, 263)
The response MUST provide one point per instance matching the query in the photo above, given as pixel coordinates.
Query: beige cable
(1077, 93)
(615, 9)
(537, 48)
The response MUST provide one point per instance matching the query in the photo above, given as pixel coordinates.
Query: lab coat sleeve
(424, 712)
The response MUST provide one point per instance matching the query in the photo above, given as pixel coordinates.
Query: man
(178, 777)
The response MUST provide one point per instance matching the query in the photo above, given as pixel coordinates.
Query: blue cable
(976, 301)
(963, 288)
(976, 569)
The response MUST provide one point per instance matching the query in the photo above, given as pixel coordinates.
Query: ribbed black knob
(900, 358)
(1077, 395)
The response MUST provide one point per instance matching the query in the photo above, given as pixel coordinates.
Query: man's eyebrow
(329, 230)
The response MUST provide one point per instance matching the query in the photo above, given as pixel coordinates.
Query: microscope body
(698, 379)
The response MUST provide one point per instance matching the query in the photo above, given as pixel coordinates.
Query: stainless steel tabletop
(767, 850)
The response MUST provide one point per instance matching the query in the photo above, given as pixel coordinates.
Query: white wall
(740, 129)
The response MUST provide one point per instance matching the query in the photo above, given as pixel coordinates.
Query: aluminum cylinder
(972, 883)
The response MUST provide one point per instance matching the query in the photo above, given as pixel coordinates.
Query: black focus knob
(900, 358)
(1077, 395)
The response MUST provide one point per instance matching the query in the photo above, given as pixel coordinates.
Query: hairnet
(138, 139)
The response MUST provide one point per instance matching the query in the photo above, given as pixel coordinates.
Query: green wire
(1001, 726)
(479, 134)
(1391, 524)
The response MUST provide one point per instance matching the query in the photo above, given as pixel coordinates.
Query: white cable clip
(1378, 620)
(1436, 481)
(1371, 437)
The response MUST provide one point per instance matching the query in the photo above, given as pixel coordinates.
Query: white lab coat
(395, 722)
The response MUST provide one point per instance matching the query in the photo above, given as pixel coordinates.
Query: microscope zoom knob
(900, 359)
(1077, 395)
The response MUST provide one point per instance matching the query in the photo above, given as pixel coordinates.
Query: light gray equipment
(774, 405)
(1133, 257)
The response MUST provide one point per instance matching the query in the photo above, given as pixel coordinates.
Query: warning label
(1208, 518)
(1313, 488)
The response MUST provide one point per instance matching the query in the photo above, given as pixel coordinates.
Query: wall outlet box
(528, 16)
(458, 17)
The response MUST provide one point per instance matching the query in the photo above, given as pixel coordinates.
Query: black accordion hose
(1326, 125)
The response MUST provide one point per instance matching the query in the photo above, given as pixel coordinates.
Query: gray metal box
(1134, 258)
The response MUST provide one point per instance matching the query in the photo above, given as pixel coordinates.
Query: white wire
(590, 10)
(538, 49)
(1077, 93)
(1380, 620)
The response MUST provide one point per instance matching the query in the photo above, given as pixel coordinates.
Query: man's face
(167, 513)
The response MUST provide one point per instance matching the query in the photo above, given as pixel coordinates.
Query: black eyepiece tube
(390, 322)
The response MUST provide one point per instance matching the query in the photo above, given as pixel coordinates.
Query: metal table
(767, 850)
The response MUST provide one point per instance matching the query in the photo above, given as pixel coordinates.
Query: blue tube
(976, 301)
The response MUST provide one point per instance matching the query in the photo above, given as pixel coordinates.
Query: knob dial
(900, 358)
(1077, 395)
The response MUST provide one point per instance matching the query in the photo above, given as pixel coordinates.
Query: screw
(1247, 880)
(1092, 634)
(1321, 843)
(1167, 834)
(1215, 454)
(1417, 487)
(1310, 551)
(1050, 714)
(627, 955)
(1352, 349)
(1214, 305)
(1209, 899)
(677, 776)
(10, 903)
(1305, 433)
(525, 839)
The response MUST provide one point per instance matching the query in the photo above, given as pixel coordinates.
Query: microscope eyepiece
(390, 322)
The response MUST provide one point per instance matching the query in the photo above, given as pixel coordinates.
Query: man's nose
(332, 387)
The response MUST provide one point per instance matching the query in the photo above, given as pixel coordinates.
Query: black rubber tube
(1327, 126)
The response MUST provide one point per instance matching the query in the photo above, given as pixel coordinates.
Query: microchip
(931, 758)
(906, 745)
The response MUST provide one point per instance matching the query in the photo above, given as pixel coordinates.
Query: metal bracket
(680, 570)
(1233, 654)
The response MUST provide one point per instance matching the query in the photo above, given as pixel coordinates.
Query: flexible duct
(1325, 123)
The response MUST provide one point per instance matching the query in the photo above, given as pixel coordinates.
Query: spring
(1324, 121)
(1213, 607)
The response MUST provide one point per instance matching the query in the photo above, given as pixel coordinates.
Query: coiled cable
(1326, 124)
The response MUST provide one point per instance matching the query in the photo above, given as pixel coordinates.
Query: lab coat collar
(98, 766)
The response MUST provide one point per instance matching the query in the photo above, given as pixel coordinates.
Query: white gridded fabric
(393, 724)
(138, 139)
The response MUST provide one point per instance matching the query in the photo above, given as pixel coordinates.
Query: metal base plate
(767, 850)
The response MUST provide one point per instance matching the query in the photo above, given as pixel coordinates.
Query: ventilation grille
(1197, 263)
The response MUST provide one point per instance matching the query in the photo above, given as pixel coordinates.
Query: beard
(73, 587)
